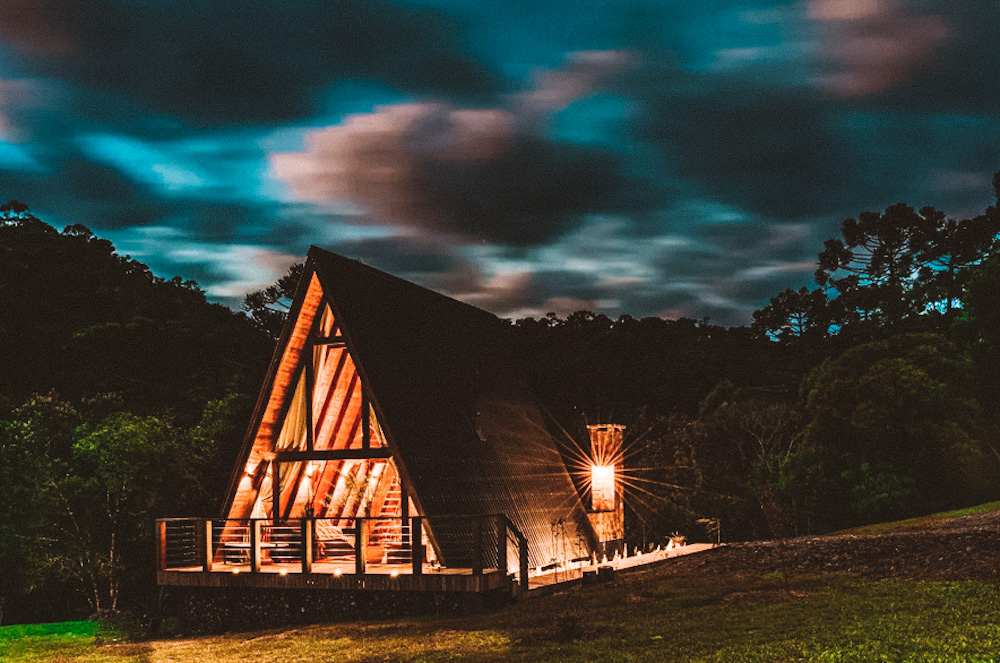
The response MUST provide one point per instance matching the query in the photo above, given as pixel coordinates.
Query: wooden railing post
(308, 525)
(502, 545)
(161, 545)
(254, 546)
(477, 546)
(522, 554)
(360, 545)
(207, 551)
(416, 546)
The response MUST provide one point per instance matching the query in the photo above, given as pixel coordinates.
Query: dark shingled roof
(467, 437)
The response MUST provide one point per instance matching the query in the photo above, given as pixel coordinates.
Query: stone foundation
(212, 610)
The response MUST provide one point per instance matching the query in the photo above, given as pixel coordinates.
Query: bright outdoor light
(602, 487)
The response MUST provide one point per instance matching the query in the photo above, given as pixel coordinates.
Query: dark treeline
(123, 397)
(874, 394)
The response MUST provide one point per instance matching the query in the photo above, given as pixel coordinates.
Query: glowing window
(602, 487)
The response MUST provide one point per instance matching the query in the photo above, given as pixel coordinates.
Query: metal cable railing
(452, 544)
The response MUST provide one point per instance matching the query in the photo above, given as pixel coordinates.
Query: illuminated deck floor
(337, 575)
(394, 577)
(324, 567)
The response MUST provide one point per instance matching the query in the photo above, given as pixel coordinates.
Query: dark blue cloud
(238, 63)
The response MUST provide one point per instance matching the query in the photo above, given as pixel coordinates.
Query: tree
(83, 320)
(894, 268)
(982, 317)
(946, 251)
(873, 268)
(904, 408)
(268, 308)
(793, 314)
(125, 472)
(36, 442)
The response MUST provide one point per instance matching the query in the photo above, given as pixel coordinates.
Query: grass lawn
(46, 642)
(640, 617)
(882, 528)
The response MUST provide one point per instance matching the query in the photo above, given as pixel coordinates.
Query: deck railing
(439, 544)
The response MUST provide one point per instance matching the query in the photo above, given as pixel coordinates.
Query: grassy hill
(894, 595)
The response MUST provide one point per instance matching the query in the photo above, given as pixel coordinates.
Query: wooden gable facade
(387, 400)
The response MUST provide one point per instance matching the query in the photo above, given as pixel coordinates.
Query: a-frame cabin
(387, 401)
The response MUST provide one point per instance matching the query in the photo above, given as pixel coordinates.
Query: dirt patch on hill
(966, 548)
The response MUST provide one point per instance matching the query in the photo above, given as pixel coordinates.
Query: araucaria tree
(890, 272)
(871, 272)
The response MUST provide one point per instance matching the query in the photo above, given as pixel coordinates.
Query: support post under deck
(207, 551)
(308, 525)
(360, 545)
(416, 545)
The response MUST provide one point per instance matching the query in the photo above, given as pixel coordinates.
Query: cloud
(848, 124)
(225, 270)
(875, 45)
(938, 55)
(476, 174)
(772, 149)
(239, 63)
(583, 73)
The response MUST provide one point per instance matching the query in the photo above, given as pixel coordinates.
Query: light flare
(602, 487)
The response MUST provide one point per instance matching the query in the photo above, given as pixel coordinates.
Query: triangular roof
(463, 433)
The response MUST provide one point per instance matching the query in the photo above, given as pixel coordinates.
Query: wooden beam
(333, 454)
(310, 357)
(293, 492)
(366, 421)
(329, 340)
(275, 491)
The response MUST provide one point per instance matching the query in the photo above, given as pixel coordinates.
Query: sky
(648, 157)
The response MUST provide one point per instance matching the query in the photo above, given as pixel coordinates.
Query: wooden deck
(258, 553)
(374, 579)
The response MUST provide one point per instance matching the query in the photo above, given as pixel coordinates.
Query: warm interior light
(602, 487)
